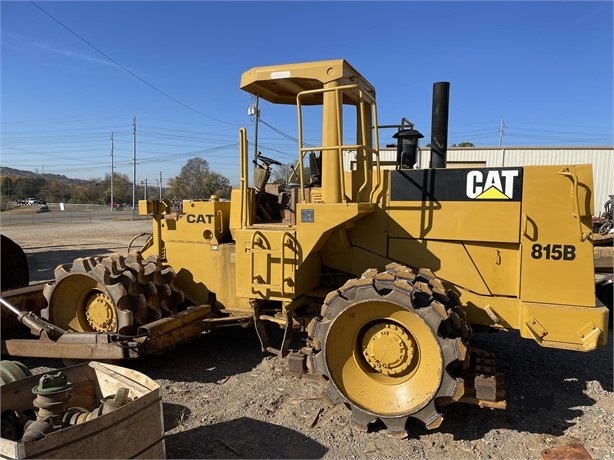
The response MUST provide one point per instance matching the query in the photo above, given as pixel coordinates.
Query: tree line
(195, 181)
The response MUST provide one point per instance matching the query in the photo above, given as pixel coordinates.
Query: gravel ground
(224, 398)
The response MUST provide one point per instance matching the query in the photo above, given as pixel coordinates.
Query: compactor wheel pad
(391, 345)
(111, 294)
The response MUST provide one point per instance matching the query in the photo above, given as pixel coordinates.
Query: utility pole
(254, 110)
(501, 126)
(134, 163)
(112, 173)
(160, 185)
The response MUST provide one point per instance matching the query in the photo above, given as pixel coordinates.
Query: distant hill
(12, 172)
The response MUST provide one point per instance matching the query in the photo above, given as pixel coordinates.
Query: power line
(278, 131)
(128, 70)
(281, 133)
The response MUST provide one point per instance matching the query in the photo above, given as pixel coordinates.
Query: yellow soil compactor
(386, 271)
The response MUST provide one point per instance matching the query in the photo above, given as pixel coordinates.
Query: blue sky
(78, 71)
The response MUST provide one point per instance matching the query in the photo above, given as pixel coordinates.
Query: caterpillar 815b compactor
(386, 271)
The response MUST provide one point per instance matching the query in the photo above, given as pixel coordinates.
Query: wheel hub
(100, 312)
(388, 348)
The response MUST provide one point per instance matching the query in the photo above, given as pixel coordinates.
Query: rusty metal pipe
(36, 325)
(10, 306)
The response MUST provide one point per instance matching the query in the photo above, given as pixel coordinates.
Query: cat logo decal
(494, 184)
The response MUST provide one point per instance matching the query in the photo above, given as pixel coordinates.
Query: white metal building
(602, 159)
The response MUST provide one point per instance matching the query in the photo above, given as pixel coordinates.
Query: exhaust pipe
(439, 124)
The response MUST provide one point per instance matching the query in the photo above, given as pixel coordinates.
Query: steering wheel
(267, 161)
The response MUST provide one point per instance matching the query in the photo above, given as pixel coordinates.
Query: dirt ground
(224, 398)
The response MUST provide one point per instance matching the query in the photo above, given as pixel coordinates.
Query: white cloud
(73, 55)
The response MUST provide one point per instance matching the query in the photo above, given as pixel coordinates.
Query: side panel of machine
(557, 255)
(198, 245)
(461, 223)
(456, 204)
(515, 241)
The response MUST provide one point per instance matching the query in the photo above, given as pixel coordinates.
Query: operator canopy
(280, 84)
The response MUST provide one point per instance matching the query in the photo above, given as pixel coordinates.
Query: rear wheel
(111, 294)
(392, 345)
(15, 272)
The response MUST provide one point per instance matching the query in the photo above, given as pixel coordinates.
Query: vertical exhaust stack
(439, 124)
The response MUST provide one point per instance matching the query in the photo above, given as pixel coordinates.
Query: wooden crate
(135, 430)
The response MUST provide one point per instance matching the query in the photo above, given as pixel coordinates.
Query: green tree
(122, 189)
(197, 181)
(56, 191)
(6, 186)
(28, 187)
(460, 144)
(6, 192)
(281, 173)
(289, 173)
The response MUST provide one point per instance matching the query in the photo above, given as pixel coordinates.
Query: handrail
(376, 151)
(221, 219)
(283, 261)
(243, 174)
(369, 150)
(574, 195)
(252, 245)
(268, 250)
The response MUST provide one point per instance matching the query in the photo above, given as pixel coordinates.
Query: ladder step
(264, 285)
(273, 319)
(266, 251)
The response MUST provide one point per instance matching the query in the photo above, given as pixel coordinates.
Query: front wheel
(392, 345)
